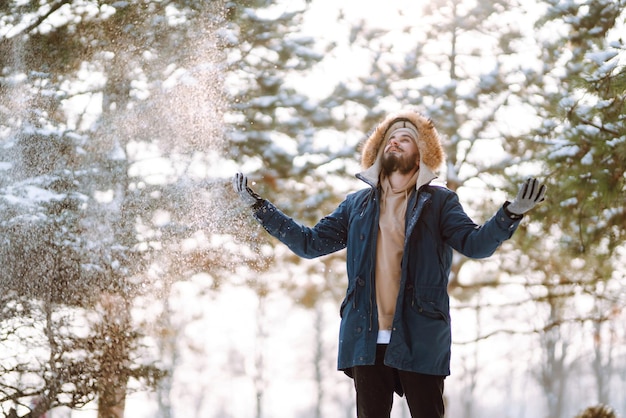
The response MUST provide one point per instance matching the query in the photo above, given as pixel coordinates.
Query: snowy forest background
(134, 284)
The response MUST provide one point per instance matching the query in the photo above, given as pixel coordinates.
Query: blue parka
(435, 225)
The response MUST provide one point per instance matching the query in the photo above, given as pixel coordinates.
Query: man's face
(400, 154)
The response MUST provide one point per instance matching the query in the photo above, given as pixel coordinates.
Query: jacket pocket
(349, 297)
(432, 303)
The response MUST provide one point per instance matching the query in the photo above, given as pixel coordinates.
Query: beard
(401, 163)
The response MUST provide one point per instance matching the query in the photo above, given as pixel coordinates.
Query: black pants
(376, 384)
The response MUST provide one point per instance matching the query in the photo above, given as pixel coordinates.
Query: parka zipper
(411, 225)
(372, 274)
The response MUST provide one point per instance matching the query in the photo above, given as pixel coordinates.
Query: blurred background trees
(122, 122)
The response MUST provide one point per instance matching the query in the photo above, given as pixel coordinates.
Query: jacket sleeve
(470, 239)
(327, 236)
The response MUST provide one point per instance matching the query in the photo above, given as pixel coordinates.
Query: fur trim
(428, 142)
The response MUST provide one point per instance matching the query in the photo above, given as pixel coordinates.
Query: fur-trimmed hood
(428, 142)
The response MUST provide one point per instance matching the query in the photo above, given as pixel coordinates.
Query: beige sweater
(389, 248)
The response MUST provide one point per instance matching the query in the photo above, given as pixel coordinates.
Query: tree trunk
(112, 399)
(114, 362)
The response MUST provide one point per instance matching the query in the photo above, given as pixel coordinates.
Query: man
(399, 234)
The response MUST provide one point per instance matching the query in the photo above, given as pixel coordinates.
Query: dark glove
(240, 184)
(531, 192)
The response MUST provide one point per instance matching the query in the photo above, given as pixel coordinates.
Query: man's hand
(531, 192)
(240, 184)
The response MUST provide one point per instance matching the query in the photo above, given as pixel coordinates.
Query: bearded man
(399, 232)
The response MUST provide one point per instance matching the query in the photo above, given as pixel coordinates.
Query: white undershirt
(384, 336)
